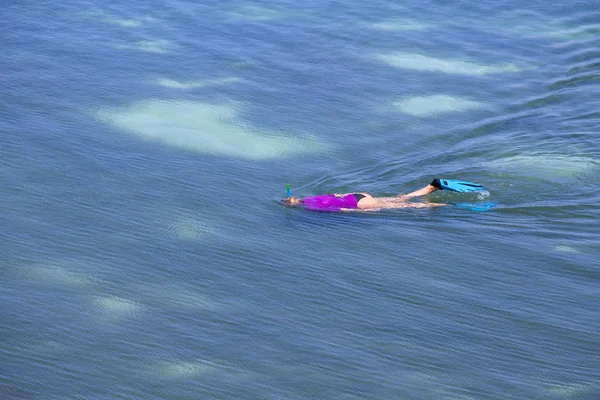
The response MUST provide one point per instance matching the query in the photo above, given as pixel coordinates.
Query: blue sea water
(144, 148)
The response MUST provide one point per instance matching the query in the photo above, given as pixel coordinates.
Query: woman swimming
(366, 201)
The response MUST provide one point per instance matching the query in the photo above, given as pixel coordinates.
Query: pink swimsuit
(329, 202)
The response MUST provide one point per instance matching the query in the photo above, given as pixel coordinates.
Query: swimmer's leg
(421, 192)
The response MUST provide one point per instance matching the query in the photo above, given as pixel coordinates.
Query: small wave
(575, 82)
(46, 347)
(592, 66)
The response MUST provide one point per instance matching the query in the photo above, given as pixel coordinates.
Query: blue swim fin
(475, 206)
(456, 185)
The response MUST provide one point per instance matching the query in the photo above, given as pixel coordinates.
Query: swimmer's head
(292, 201)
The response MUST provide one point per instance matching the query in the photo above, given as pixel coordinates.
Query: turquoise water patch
(546, 165)
(419, 62)
(252, 12)
(61, 273)
(566, 249)
(179, 369)
(111, 307)
(110, 18)
(185, 85)
(400, 25)
(157, 46)
(207, 129)
(429, 106)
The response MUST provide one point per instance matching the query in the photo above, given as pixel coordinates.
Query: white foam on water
(182, 369)
(116, 307)
(427, 106)
(173, 84)
(546, 166)
(482, 195)
(400, 25)
(205, 128)
(419, 62)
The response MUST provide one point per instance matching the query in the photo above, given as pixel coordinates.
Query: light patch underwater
(572, 390)
(255, 13)
(190, 229)
(135, 22)
(173, 84)
(177, 296)
(116, 307)
(427, 106)
(157, 46)
(206, 129)
(400, 25)
(177, 369)
(60, 273)
(566, 249)
(419, 62)
(546, 166)
(545, 27)
(46, 347)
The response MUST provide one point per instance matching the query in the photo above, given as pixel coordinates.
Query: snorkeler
(366, 201)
